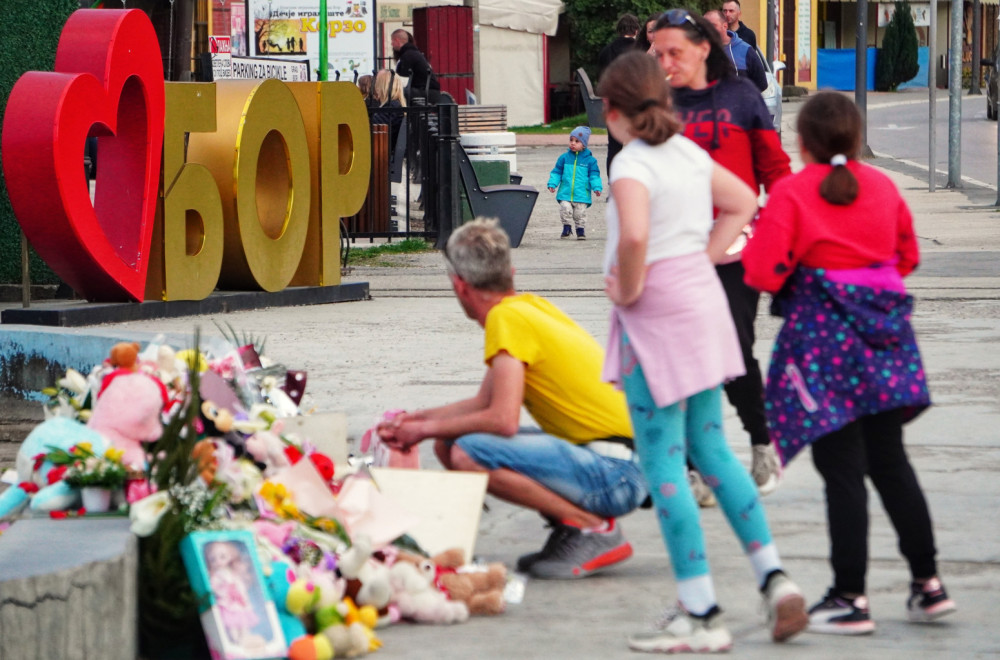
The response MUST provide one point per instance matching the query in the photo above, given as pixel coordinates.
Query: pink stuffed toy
(127, 414)
(382, 454)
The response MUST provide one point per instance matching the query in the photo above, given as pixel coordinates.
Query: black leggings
(745, 393)
(872, 445)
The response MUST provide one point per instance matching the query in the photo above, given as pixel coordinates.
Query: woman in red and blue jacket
(726, 116)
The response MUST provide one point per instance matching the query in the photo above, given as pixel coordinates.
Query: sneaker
(836, 615)
(928, 601)
(580, 236)
(558, 536)
(678, 631)
(567, 231)
(765, 468)
(786, 607)
(702, 493)
(579, 553)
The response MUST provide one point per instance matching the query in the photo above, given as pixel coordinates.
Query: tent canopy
(538, 16)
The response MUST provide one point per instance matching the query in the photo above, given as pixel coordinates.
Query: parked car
(991, 84)
(772, 95)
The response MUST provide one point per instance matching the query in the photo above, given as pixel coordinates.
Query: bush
(29, 33)
(897, 58)
(592, 24)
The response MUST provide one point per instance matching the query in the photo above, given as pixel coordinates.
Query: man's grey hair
(478, 252)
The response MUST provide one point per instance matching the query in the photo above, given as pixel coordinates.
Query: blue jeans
(607, 487)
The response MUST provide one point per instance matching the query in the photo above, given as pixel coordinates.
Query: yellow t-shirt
(563, 389)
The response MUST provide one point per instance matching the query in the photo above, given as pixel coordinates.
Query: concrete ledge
(68, 590)
(76, 313)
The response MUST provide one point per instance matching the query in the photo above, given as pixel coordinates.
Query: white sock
(697, 595)
(764, 560)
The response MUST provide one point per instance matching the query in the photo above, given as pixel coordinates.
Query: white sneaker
(678, 631)
(765, 468)
(786, 608)
(702, 493)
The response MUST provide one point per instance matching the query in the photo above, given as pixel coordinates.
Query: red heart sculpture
(108, 82)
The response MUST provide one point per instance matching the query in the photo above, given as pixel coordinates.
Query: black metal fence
(426, 201)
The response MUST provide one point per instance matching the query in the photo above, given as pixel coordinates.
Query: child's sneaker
(703, 495)
(786, 607)
(765, 468)
(567, 231)
(678, 631)
(836, 615)
(928, 601)
(579, 234)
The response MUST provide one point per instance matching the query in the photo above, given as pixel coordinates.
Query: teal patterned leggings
(664, 437)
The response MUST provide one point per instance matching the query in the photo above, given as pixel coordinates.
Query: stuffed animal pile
(331, 591)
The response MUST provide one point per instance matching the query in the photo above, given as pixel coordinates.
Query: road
(898, 129)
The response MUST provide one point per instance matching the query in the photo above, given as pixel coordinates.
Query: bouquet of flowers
(84, 467)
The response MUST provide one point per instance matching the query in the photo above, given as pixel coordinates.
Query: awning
(539, 16)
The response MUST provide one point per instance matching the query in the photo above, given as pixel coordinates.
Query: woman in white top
(672, 344)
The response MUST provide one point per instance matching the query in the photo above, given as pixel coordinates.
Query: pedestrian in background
(671, 345)
(575, 176)
(627, 29)
(644, 41)
(733, 12)
(411, 63)
(834, 244)
(726, 116)
(745, 60)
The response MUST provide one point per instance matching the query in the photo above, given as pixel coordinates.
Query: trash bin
(491, 146)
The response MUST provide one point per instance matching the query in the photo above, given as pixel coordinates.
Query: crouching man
(578, 470)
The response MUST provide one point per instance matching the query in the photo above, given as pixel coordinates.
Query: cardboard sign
(448, 505)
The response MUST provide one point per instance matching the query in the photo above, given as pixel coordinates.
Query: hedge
(29, 33)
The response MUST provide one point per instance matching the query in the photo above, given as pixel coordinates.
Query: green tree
(897, 58)
(592, 24)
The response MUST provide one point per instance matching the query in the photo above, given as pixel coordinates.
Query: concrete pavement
(411, 346)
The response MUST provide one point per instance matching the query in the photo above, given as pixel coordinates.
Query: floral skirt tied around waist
(845, 351)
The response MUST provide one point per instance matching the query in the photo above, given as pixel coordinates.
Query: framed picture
(238, 616)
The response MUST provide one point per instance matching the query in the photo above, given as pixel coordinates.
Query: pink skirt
(680, 331)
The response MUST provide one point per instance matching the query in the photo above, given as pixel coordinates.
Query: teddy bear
(481, 589)
(123, 358)
(418, 599)
(127, 414)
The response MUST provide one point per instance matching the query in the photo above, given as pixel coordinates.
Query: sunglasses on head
(682, 18)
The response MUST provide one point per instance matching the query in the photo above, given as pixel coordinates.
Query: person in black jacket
(627, 29)
(733, 12)
(745, 60)
(412, 64)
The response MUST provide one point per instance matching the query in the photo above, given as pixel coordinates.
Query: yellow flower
(86, 446)
(188, 357)
(114, 454)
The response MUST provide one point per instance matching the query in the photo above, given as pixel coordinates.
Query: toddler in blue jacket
(576, 175)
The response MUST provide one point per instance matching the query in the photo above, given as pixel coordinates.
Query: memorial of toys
(254, 524)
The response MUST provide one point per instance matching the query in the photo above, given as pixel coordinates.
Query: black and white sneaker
(837, 615)
(928, 601)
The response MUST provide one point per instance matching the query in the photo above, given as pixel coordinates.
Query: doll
(228, 578)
